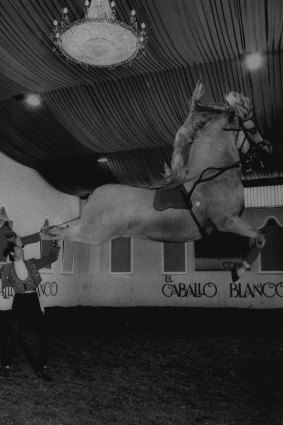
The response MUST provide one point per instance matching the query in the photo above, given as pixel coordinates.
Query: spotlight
(33, 99)
(254, 61)
(103, 159)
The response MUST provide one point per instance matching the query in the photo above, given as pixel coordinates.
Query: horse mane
(240, 104)
(199, 116)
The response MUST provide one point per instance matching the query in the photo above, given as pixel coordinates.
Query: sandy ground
(151, 366)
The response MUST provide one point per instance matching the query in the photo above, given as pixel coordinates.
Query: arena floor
(152, 366)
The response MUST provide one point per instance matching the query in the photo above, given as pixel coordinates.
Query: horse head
(249, 141)
(237, 113)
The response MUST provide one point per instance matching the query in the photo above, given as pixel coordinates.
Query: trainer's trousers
(26, 312)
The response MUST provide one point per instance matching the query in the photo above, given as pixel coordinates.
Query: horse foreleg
(240, 227)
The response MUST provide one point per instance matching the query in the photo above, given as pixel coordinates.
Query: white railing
(264, 196)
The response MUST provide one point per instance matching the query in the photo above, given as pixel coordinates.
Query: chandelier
(99, 39)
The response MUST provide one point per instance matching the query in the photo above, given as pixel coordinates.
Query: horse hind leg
(240, 227)
(90, 235)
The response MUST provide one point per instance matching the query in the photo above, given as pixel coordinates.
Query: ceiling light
(99, 39)
(103, 159)
(33, 99)
(254, 61)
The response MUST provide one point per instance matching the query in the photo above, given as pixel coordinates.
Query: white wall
(147, 285)
(28, 200)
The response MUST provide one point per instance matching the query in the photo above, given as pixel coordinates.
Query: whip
(65, 222)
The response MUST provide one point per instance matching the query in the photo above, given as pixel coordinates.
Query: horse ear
(197, 94)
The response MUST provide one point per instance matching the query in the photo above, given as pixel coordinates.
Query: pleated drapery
(131, 114)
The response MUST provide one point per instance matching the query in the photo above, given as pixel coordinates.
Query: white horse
(206, 161)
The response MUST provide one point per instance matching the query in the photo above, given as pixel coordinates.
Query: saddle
(176, 197)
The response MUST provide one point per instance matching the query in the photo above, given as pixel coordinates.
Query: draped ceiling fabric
(132, 113)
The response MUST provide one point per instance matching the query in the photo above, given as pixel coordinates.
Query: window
(67, 257)
(174, 257)
(271, 257)
(121, 255)
(45, 248)
(220, 251)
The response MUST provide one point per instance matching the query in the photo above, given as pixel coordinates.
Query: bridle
(249, 158)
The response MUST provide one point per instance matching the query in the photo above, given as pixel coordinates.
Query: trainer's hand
(18, 241)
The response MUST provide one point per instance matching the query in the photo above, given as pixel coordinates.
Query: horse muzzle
(265, 144)
(255, 158)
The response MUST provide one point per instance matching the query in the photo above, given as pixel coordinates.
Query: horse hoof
(234, 274)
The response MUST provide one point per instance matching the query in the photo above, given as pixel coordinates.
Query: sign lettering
(47, 289)
(195, 290)
(251, 290)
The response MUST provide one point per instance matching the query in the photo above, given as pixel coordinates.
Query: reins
(188, 195)
(219, 171)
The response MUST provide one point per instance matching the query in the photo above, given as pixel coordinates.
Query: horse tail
(197, 94)
(167, 175)
(167, 171)
(183, 143)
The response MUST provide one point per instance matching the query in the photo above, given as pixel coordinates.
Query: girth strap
(189, 206)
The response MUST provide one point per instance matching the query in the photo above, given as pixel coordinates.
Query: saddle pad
(170, 198)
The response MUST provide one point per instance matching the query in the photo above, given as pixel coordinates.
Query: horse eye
(252, 130)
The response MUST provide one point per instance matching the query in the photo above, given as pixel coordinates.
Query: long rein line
(65, 222)
(219, 171)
